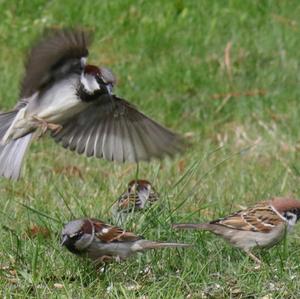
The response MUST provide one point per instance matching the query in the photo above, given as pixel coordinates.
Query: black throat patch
(89, 97)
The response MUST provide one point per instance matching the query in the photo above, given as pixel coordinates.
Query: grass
(226, 74)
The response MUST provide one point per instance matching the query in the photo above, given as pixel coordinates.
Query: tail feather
(145, 244)
(6, 120)
(203, 226)
(12, 153)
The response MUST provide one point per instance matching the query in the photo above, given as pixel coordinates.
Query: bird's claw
(44, 125)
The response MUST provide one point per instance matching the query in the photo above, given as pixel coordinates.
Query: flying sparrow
(75, 100)
(102, 242)
(263, 225)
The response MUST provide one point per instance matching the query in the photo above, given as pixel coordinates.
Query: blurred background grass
(223, 73)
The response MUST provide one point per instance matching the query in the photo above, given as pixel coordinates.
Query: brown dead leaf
(12, 280)
(181, 166)
(35, 231)
(247, 93)
(227, 59)
(126, 171)
(285, 21)
(277, 116)
(70, 170)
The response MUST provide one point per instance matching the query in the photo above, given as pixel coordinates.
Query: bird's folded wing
(115, 130)
(261, 218)
(55, 56)
(108, 233)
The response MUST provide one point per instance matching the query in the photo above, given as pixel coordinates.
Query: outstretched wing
(113, 129)
(55, 56)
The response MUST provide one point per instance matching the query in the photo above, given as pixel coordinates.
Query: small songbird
(140, 195)
(102, 242)
(60, 92)
(263, 225)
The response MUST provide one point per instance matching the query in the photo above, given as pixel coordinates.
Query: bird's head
(139, 185)
(97, 80)
(289, 208)
(77, 235)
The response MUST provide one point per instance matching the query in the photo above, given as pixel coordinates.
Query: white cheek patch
(291, 218)
(89, 83)
(83, 61)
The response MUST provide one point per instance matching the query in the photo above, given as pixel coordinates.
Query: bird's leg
(104, 259)
(46, 125)
(118, 259)
(254, 258)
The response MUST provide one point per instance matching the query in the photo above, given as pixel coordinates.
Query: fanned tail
(13, 152)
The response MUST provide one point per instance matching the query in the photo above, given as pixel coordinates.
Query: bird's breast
(58, 103)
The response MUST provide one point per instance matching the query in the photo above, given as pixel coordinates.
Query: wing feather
(108, 233)
(260, 218)
(115, 130)
(52, 58)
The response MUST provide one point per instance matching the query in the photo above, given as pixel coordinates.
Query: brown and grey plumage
(61, 93)
(262, 225)
(102, 242)
(140, 195)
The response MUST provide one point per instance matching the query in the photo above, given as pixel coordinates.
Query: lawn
(223, 73)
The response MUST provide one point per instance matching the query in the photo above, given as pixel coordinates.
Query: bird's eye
(100, 79)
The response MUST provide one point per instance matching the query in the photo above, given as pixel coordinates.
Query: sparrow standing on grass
(263, 225)
(139, 195)
(61, 93)
(102, 242)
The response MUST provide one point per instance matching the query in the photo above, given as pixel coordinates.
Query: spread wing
(55, 56)
(113, 129)
(108, 233)
(260, 218)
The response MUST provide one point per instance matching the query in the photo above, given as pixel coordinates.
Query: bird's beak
(64, 240)
(109, 88)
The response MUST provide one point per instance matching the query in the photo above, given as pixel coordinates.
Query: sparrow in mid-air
(140, 195)
(60, 92)
(263, 225)
(102, 242)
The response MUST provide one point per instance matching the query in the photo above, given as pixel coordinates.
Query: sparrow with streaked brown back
(75, 100)
(263, 225)
(140, 195)
(103, 242)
